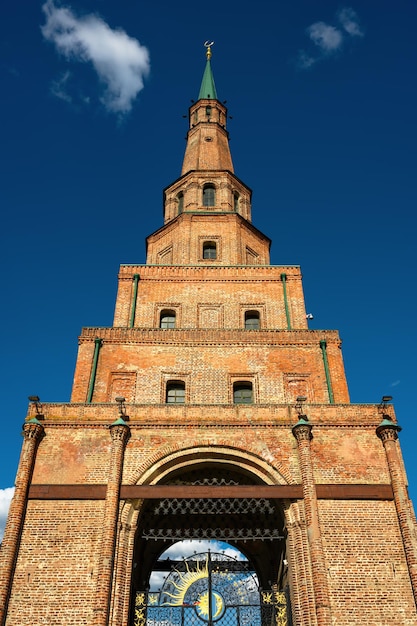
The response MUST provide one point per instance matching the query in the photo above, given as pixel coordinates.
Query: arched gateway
(209, 412)
(252, 526)
(213, 500)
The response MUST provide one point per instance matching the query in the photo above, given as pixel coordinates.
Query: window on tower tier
(175, 393)
(209, 195)
(167, 319)
(235, 201)
(209, 250)
(180, 199)
(252, 320)
(242, 393)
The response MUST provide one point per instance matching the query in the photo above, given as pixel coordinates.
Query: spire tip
(207, 45)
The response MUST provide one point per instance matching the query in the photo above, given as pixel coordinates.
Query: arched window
(242, 392)
(252, 320)
(209, 195)
(175, 392)
(167, 319)
(209, 250)
(180, 198)
(235, 201)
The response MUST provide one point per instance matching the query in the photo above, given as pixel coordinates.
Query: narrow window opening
(180, 199)
(235, 201)
(209, 250)
(209, 195)
(252, 320)
(167, 319)
(175, 392)
(242, 393)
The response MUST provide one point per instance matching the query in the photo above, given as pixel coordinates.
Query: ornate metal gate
(211, 588)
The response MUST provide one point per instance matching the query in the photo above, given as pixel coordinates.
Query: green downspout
(135, 295)
(287, 310)
(97, 346)
(323, 345)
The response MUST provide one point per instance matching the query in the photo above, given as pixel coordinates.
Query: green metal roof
(208, 88)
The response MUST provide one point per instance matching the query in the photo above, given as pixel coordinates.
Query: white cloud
(330, 39)
(304, 60)
(5, 497)
(188, 547)
(327, 38)
(121, 62)
(59, 87)
(349, 20)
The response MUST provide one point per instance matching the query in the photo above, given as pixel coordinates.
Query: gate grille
(211, 589)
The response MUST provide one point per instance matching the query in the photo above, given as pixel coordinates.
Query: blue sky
(323, 98)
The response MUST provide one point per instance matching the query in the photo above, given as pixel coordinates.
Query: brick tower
(209, 411)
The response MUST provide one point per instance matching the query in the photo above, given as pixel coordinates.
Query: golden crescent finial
(208, 44)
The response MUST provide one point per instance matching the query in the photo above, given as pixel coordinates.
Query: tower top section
(208, 185)
(208, 87)
(207, 139)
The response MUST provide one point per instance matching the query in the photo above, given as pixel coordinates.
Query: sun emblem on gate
(184, 581)
(186, 590)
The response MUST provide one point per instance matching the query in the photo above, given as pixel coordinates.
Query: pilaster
(387, 431)
(303, 436)
(120, 433)
(33, 432)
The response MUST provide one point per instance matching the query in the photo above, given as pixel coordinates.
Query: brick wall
(56, 570)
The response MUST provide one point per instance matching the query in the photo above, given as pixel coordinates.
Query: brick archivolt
(166, 460)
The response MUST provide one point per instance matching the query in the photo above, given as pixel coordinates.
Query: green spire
(208, 88)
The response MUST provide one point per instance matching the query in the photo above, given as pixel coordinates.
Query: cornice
(210, 337)
(185, 270)
(225, 416)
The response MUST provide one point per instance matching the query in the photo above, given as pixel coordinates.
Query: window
(252, 320)
(180, 199)
(235, 201)
(167, 319)
(242, 393)
(209, 195)
(175, 392)
(209, 250)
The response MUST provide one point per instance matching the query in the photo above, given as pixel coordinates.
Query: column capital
(33, 429)
(388, 430)
(120, 431)
(302, 429)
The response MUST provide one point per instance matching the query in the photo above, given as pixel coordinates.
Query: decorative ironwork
(222, 534)
(219, 506)
(211, 588)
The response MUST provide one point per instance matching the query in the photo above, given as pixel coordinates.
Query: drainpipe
(323, 345)
(135, 295)
(97, 345)
(287, 310)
